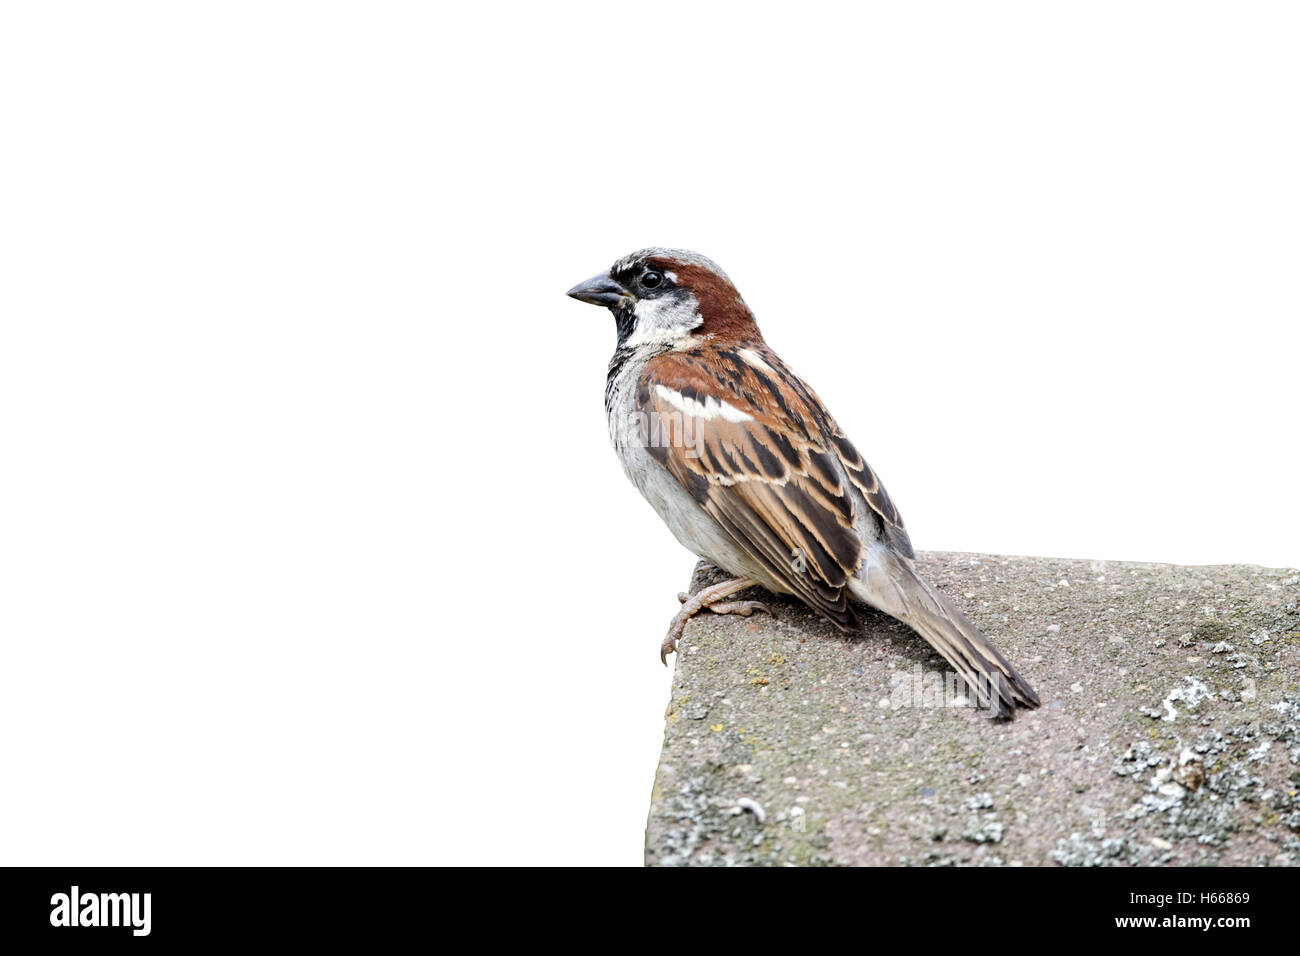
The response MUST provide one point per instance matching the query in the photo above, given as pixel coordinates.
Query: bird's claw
(710, 598)
(667, 647)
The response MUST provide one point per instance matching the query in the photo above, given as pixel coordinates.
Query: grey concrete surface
(1169, 732)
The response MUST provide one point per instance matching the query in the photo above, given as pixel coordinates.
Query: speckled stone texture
(1169, 732)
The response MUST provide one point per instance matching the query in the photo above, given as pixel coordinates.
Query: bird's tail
(893, 586)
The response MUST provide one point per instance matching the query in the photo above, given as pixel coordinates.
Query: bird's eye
(652, 280)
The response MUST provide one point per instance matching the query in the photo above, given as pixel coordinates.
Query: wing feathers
(752, 444)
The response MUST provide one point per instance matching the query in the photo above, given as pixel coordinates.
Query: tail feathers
(895, 588)
(989, 674)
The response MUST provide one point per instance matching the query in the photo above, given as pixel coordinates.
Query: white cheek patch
(664, 321)
(708, 410)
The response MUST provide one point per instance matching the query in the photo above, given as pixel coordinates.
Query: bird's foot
(712, 599)
(743, 608)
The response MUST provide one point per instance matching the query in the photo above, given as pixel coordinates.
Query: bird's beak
(600, 290)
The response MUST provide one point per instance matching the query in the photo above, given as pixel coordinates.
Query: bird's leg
(711, 598)
(743, 608)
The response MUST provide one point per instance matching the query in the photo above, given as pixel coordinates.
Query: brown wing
(751, 444)
(809, 408)
(865, 480)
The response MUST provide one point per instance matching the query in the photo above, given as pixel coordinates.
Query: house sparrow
(750, 472)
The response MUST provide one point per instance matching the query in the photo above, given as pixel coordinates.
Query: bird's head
(665, 297)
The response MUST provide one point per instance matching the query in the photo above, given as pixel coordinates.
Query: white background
(313, 549)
